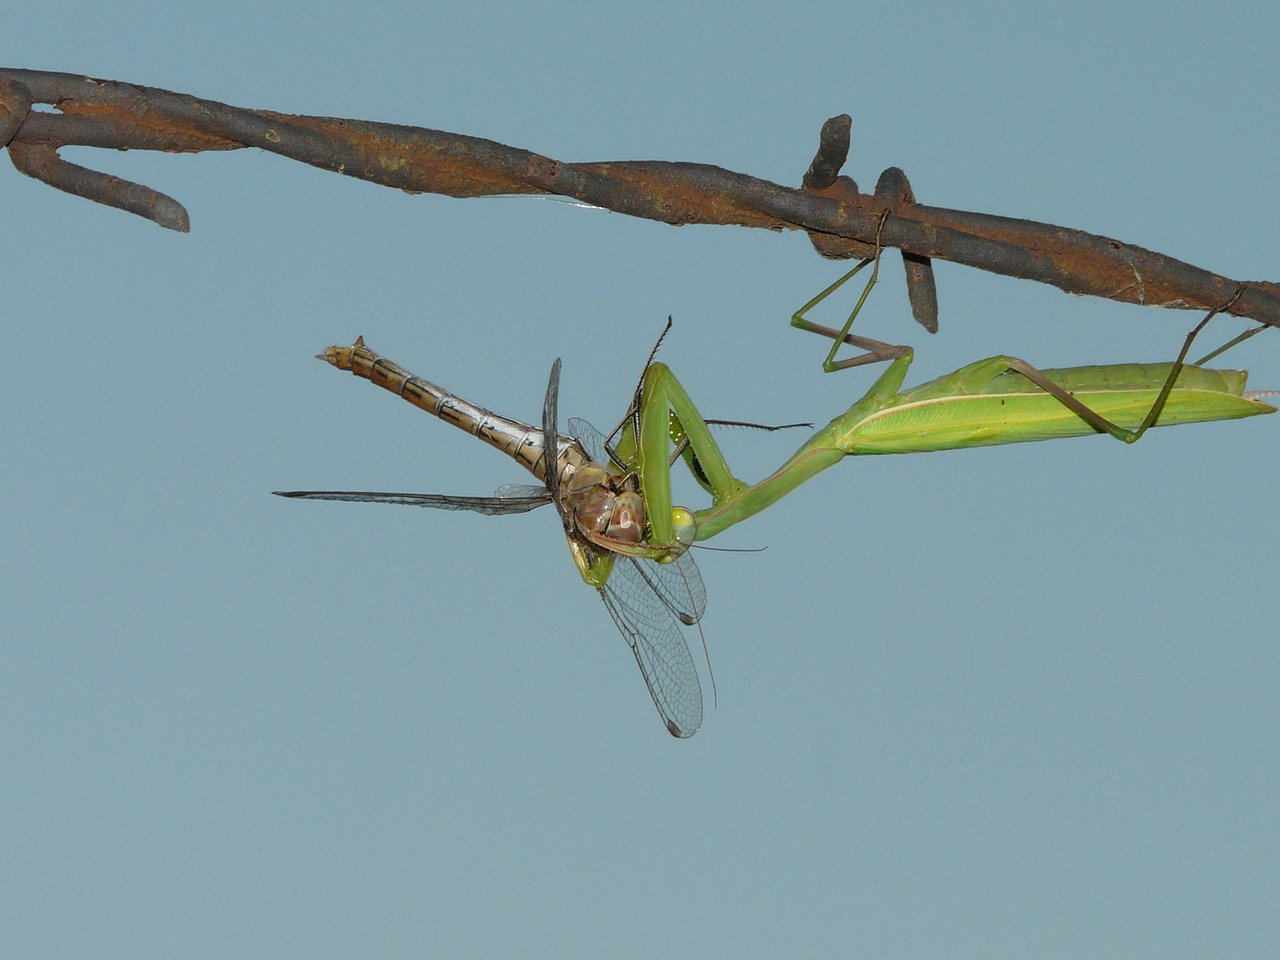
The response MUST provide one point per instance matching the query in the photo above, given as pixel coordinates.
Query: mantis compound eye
(684, 527)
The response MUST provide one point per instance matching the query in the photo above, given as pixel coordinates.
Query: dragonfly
(650, 592)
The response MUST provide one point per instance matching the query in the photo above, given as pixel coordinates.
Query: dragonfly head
(626, 522)
(600, 506)
(592, 505)
(612, 507)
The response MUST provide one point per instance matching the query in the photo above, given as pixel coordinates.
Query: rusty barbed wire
(841, 221)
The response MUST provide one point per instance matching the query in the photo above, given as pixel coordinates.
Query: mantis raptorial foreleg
(666, 414)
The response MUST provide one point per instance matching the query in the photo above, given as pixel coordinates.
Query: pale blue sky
(1000, 703)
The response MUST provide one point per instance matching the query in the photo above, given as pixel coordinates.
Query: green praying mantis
(630, 542)
(994, 401)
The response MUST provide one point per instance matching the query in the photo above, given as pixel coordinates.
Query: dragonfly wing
(493, 506)
(645, 620)
(592, 439)
(551, 439)
(517, 491)
(678, 583)
(645, 599)
(691, 586)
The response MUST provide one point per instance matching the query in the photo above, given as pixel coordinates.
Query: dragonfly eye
(592, 508)
(627, 521)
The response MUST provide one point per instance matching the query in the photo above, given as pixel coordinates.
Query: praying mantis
(995, 401)
(630, 542)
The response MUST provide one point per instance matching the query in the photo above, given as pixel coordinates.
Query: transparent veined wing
(529, 498)
(657, 642)
(522, 491)
(645, 599)
(551, 443)
(592, 439)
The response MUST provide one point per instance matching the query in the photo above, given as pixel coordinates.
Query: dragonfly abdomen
(519, 441)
